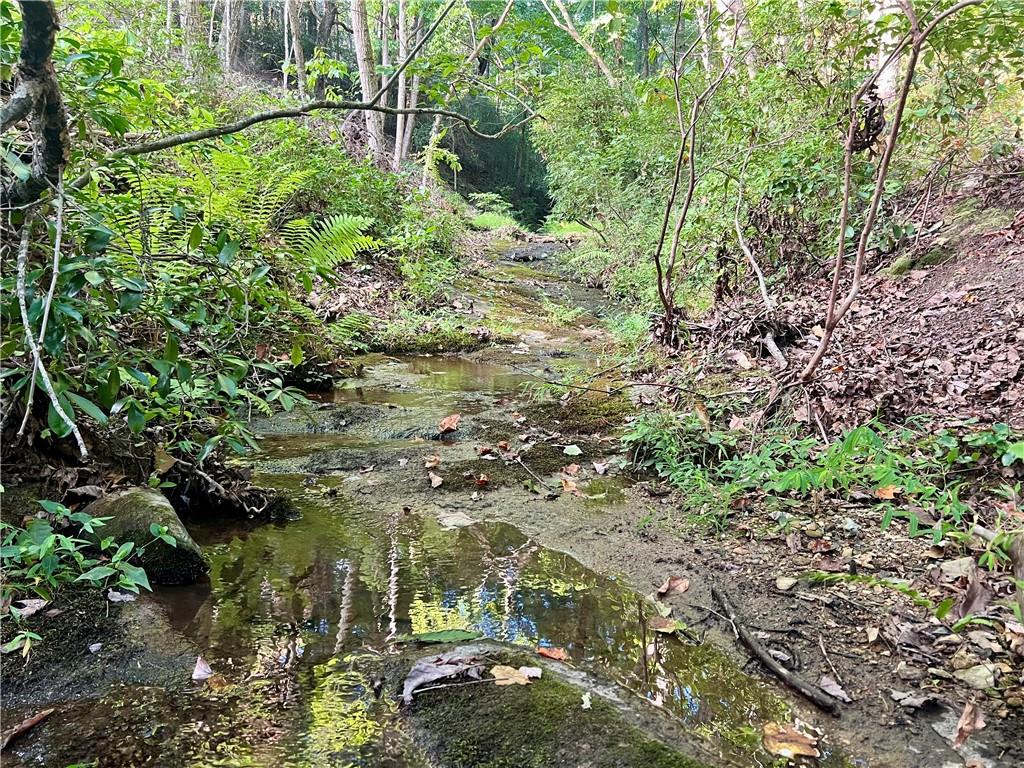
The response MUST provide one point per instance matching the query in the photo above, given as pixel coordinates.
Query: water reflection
(290, 601)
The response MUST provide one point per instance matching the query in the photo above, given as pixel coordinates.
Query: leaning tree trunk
(367, 77)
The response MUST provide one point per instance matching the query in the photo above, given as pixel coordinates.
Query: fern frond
(323, 246)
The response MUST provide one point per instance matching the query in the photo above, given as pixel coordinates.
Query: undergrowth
(932, 479)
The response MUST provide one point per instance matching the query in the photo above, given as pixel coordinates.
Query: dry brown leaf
(449, 423)
(888, 492)
(971, 721)
(558, 654)
(505, 675)
(29, 606)
(569, 486)
(784, 740)
(674, 585)
(571, 469)
(662, 624)
(435, 479)
(483, 480)
(431, 461)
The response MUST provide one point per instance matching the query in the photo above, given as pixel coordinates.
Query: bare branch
(37, 361)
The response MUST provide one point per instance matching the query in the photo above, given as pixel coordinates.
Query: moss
(586, 414)
(534, 726)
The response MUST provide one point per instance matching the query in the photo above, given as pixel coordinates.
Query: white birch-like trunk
(403, 51)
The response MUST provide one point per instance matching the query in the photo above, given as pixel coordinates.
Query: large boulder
(131, 513)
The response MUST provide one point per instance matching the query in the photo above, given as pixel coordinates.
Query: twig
(38, 366)
(835, 672)
(453, 685)
(49, 299)
(811, 692)
(536, 477)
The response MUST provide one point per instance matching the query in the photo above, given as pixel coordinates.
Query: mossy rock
(540, 725)
(131, 513)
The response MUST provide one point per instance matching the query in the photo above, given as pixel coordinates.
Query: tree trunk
(403, 51)
(704, 22)
(410, 120)
(294, 10)
(286, 41)
(367, 77)
(643, 42)
(739, 36)
(324, 28)
(887, 84)
(232, 32)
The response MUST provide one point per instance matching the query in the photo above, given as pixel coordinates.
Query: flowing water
(297, 617)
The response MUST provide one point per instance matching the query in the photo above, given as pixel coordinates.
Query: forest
(491, 383)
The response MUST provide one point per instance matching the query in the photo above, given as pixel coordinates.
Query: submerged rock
(131, 513)
(560, 717)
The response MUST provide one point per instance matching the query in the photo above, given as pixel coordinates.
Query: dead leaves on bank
(462, 666)
(784, 740)
(449, 423)
(674, 585)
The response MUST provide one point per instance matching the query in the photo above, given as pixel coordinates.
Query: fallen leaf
(784, 740)
(120, 597)
(971, 721)
(505, 675)
(503, 445)
(454, 519)
(674, 585)
(872, 633)
(601, 467)
(558, 654)
(888, 492)
(449, 423)
(30, 606)
(569, 486)
(831, 687)
(483, 480)
(432, 461)
(663, 624)
(740, 358)
(435, 479)
(95, 647)
(202, 670)
(428, 670)
(571, 469)
(572, 450)
(533, 673)
(586, 700)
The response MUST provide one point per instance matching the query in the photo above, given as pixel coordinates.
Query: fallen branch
(809, 691)
(24, 726)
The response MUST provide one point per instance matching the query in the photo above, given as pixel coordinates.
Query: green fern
(323, 246)
(348, 330)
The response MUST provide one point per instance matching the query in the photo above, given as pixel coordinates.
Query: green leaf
(88, 407)
(195, 237)
(98, 573)
(135, 575)
(228, 252)
(136, 418)
(296, 353)
(572, 450)
(123, 552)
(227, 384)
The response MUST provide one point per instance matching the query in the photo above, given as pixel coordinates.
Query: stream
(298, 618)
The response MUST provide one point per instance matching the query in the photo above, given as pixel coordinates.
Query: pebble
(910, 674)
(814, 531)
(785, 583)
(978, 677)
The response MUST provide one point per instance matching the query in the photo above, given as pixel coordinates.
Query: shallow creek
(298, 617)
